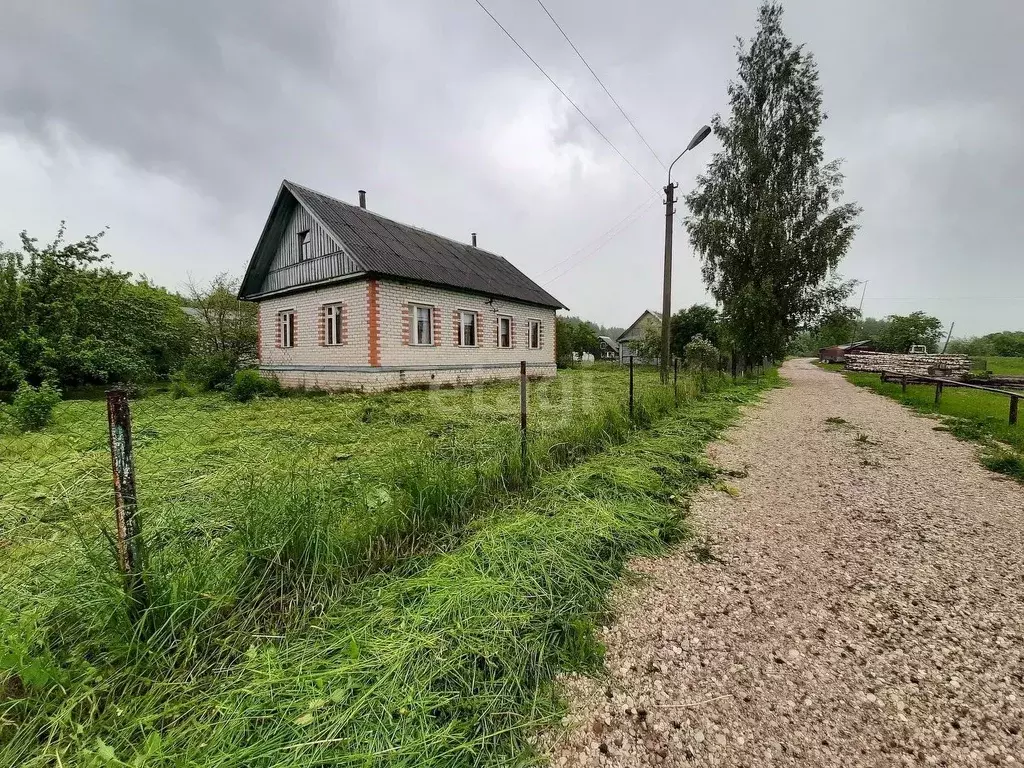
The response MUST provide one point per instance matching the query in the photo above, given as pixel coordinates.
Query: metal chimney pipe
(474, 239)
(362, 198)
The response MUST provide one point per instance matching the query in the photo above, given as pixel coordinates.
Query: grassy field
(334, 580)
(1010, 366)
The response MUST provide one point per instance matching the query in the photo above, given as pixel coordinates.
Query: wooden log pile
(950, 366)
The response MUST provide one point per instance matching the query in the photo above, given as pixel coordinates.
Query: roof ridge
(394, 221)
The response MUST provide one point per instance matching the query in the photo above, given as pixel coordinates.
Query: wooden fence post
(522, 414)
(630, 386)
(938, 392)
(1014, 402)
(903, 383)
(126, 511)
(675, 379)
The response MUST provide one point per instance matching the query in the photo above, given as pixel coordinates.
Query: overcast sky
(173, 123)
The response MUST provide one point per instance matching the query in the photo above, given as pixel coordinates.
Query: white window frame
(287, 328)
(510, 339)
(530, 325)
(414, 335)
(463, 315)
(333, 329)
(305, 245)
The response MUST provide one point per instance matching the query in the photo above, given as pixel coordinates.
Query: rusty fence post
(938, 392)
(630, 386)
(126, 510)
(1014, 403)
(522, 414)
(675, 379)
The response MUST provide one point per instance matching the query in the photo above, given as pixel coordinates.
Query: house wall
(378, 355)
(327, 258)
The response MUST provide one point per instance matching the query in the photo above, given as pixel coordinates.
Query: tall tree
(764, 217)
(904, 331)
(699, 320)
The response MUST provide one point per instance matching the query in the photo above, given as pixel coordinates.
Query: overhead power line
(603, 86)
(610, 235)
(566, 96)
(645, 203)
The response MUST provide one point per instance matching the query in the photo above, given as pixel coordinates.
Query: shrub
(180, 386)
(32, 408)
(210, 371)
(702, 359)
(248, 384)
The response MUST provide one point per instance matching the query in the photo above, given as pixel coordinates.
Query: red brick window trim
(534, 330)
(467, 328)
(424, 325)
(286, 336)
(505, 328)
(332, 325)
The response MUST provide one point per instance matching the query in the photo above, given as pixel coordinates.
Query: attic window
(305, 245)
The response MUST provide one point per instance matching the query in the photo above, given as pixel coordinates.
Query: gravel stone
(866, 606)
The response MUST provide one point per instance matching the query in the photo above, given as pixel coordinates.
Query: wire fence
(119, 477)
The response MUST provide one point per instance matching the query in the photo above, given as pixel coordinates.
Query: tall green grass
(270, 641)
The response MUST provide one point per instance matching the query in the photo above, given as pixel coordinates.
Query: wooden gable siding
(326, 260)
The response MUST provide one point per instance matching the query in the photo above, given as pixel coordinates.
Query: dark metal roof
(390, 249)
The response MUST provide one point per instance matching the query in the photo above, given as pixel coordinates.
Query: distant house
(837, 353)
(608, 348)
(635, 332)
(350, 299)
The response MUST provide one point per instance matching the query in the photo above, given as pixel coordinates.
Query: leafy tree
(763, 216)
(699, 320)
(903, 331)
(701, 359)
(227, 331)
(69, 318)
(1006, 343)
(574, 336)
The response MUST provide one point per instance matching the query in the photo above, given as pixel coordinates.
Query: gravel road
(857, 598)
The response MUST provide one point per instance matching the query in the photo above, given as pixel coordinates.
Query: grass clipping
(446, 662)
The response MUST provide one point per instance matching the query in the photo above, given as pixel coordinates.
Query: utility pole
(666, 298)
(666, 292)
(948, 337)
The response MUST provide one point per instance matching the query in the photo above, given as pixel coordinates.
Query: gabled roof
(646, 313)
(610, 342)
(387, 248)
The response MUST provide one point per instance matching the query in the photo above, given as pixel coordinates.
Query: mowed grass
(260, 648)
(969, 414)
(201, 450)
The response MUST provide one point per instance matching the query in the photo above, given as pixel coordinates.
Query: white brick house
(351, 300)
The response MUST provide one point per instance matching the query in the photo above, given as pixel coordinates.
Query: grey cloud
(441, 118)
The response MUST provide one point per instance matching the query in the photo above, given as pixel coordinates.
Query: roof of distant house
(387, 248)
(610, 342)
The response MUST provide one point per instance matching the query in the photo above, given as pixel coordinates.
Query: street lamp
(666, 303)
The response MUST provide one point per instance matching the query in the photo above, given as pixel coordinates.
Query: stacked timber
(950, 366)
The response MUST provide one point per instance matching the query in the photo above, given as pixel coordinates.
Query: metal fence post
(126, 511)
(938, 392)
(675, 379)
(631, 386)
(522, 413)
(903, 383)
(1014, 403)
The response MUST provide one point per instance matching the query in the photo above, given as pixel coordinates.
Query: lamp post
(666, 303)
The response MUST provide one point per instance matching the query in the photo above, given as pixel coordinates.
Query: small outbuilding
(837, 353)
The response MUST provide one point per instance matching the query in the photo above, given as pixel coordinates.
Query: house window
(332, 324)
(424, 322)
(305, 245)
(467, 329)
(535, 334)
(287, 320)
(504, 332)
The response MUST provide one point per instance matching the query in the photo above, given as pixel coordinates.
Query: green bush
(248, 384)
(32, 408)
(180, 386)
(214, 371)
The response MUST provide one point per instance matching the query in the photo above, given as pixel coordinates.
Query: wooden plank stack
(950, 366)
